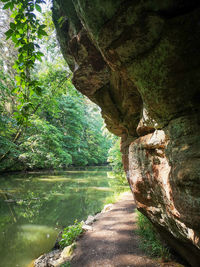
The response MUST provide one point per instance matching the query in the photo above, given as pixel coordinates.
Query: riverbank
(56, 170)
(35, 207)
(112, 240)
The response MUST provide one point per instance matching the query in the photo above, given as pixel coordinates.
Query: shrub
(67, 264)
(70, 233)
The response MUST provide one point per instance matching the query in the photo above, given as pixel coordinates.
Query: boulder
(90, 220)
(55, 258)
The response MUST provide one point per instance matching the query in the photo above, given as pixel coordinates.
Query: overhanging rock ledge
(140, 62)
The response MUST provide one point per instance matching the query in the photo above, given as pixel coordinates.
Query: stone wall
(139, 61)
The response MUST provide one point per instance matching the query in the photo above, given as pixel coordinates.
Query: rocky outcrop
(139, 61)
(55, 258)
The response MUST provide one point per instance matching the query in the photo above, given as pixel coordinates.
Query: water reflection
(34, 206)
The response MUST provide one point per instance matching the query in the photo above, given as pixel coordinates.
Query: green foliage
(70, 233)
(67, 264)
(62, 127)
(116, 196)
(150, 241)
(56, 137)
(115, 157)
(43, 147)
(25, 30)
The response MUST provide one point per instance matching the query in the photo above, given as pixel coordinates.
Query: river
(35, 206)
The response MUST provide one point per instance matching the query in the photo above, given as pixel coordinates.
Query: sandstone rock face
(139, 61)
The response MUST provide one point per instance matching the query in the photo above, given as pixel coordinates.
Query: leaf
(20, 25)
(14, 39)
(38, 90)
(20, 58)
(40, 54)
(27, 47)
(42, 26)
(31, 7)
(11, 6)
(15, 89)
(38, 8)
(18, 78)
(8, 34)
(42, 33)
(12, 26)
(36, 45)
(40, 1)
(18, 17)
(31, 16)
(15, 66)
(7, 5)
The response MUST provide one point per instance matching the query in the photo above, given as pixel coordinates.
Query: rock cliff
(140, 62)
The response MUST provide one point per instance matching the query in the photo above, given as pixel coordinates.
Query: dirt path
(112, 242)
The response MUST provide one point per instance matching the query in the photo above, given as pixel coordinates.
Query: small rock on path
(112, 242)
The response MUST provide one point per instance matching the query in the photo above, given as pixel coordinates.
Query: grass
(114, 198)
(149, 239)
(66, 264)
(111, 199)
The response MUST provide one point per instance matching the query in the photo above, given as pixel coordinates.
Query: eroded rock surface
(139, 61)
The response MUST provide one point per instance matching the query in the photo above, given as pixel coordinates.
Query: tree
(49, 124)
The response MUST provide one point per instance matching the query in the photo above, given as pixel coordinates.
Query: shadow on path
(113, 243)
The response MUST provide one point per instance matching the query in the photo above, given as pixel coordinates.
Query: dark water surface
(35, 206)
